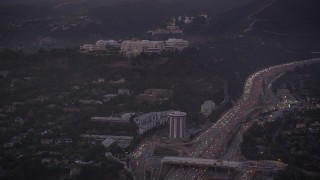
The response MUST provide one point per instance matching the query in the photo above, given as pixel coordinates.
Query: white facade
(177, 129)
(105, 43)
(107, 140)
(171, 29)
(127, 116)
(101, 45)
(124, 91)
(124, 118)
(151, 120)
(125, 140)
(207, 107)
(188, 20)
(176, 44)
(134, 48)
(87, 48)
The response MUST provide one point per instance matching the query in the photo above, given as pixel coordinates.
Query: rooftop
(177, 113)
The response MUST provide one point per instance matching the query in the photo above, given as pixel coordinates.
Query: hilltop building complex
(131, 48)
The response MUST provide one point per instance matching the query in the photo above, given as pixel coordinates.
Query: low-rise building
(122, 141)
(127, 116)
(188, 20)
(283, 93)
(74, 172)
(106, 46)
(153, 95)
(124, 91)
(4, 74)
(170, 29)
(90, 102)
(63, 141)
(300, 125)
(134, 48)
(46, 141)
(86, 48)
(119, 81)
(207, 107)
(124, 118)
(131, 48)
(108, 97)
(72, 110)
(163, 93)
(151, 120)
(19, 121)
(173, 44)
(108, 119)
(315, 124)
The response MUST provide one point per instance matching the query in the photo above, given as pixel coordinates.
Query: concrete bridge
(222, 164)
(191, 161)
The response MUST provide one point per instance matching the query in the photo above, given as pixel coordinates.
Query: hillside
(271, 31)
(33, 26)
(287, 28)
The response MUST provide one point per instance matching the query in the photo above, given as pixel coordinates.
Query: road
(211, 143)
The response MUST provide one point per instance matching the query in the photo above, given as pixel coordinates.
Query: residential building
(170, 29)
(103, 44)
(124, 118)
(131, 48)
(283, 93)
(300, 125)
(127, 116)
(46, 141)
(173, 44)
(4, 74)
(108, 46)
(106, 119)
(122, 141)
(106, 140)
(162, 93)
(207, 107)
(151, 120)
(135, 48)
(119, 81)
(19, 121)
(123, 91)
(86, 48)
(90, 102)
(188, 20)
(154, 95)
(63, 141)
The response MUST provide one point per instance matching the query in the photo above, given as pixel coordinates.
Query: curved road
(211, 143)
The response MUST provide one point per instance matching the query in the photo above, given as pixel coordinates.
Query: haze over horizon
(176, 84)
(43, 2)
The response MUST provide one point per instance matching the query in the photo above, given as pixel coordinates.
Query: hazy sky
(11, 2)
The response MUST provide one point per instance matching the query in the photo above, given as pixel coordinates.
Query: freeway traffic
(210, 144)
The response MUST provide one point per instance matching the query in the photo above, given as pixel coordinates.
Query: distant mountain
(65, 2)
(271, 31)
(47, 2)
(65, 23)
(291, 17)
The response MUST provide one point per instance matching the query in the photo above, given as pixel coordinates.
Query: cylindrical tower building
(177, 128)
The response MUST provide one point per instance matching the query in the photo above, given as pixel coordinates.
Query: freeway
(211, 143)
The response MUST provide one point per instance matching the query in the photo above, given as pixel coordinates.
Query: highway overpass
(237, 165)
